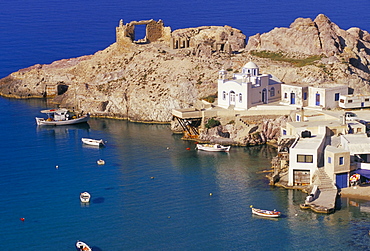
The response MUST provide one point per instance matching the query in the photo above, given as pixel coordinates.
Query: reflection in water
(63, 131)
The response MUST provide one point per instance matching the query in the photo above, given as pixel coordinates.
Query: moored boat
(213, 147)
(100, 162)
(93, 142)
(56, 117)
(85, 197)
(82, 246)
(265, 213)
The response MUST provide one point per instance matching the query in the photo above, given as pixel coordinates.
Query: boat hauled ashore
(213, 147)
(82, 246)
(265, 213)
(61, 116)
(93, 142)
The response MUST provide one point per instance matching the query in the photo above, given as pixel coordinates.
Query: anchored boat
(213, 147)
(85, 197)
(265, 213)
(82, 246)
(93, 142)
(62, 116)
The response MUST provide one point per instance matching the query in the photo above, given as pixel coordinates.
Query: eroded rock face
(147, 81)
(317, 37)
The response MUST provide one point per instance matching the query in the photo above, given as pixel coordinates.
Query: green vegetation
(279, 56)
(212, 123)
(210, 98)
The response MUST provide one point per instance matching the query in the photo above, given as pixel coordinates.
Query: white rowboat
(93, 142)
(85, 197)
(213, 147)
(82, 246)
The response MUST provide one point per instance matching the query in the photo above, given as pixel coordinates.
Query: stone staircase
(322, 180)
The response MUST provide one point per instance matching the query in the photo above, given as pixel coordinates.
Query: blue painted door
(292, 98)
(341, 180)
(317, 99)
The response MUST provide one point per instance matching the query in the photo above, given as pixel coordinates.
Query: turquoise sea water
(152, 193)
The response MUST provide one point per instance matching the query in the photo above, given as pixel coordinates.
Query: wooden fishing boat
(93, 142)
(213, 147)
(56, 117)
(85, 197)
(265, 213)
(82, 246)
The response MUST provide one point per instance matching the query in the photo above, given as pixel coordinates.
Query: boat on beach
(82, 246)
(213, 147)
(93, 142)
(85, 197)
(56, 117)
(265, 213)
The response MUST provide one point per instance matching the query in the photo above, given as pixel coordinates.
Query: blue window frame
(329, 160)
(341, 160)
(305, 96)
(336, 98)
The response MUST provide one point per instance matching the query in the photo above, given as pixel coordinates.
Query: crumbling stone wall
(155, 30)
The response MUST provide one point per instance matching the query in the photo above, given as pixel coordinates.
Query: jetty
(322, 198)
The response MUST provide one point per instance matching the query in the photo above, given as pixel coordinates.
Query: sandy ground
(360, 192)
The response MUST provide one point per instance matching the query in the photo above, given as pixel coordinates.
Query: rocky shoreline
(142, 81)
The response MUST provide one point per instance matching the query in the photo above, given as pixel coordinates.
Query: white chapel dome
(250, 65)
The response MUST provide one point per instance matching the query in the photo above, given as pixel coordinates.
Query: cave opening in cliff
(140, 34)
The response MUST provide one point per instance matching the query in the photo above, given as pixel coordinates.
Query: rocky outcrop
(147, 80)
(255, 130)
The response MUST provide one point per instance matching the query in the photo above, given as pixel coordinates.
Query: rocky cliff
(147, 80)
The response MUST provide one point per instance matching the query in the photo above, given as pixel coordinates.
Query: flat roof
(312, 142)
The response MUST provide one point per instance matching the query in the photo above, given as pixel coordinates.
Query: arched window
(240, 98)
(272, 92)
(224, 95)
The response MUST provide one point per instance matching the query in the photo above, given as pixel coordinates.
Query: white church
(247, 89)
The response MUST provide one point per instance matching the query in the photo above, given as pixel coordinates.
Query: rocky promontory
(145, 80)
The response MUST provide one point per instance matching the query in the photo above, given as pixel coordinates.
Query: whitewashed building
(305, 156)
(323, 96)
(247, 89)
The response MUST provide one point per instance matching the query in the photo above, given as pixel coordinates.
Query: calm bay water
(130, 210)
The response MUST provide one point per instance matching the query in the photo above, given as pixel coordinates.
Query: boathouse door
(341, 180)
(301, 177)
(292, 98)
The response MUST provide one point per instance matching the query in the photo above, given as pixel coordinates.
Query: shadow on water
(98, 200)
(96, 249)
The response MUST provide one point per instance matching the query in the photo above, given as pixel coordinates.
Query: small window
(272, 92)
(329, 160)
(284, 132)
(240, 98)
(342, 100)
(336, 97)
(305, 96)
(285, 95)
(304, 158)
(350, 101)
(366, 99)
(341, 160)
(224, 95)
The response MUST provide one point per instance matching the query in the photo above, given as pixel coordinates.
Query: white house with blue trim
(316, 96)
(247, 89)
